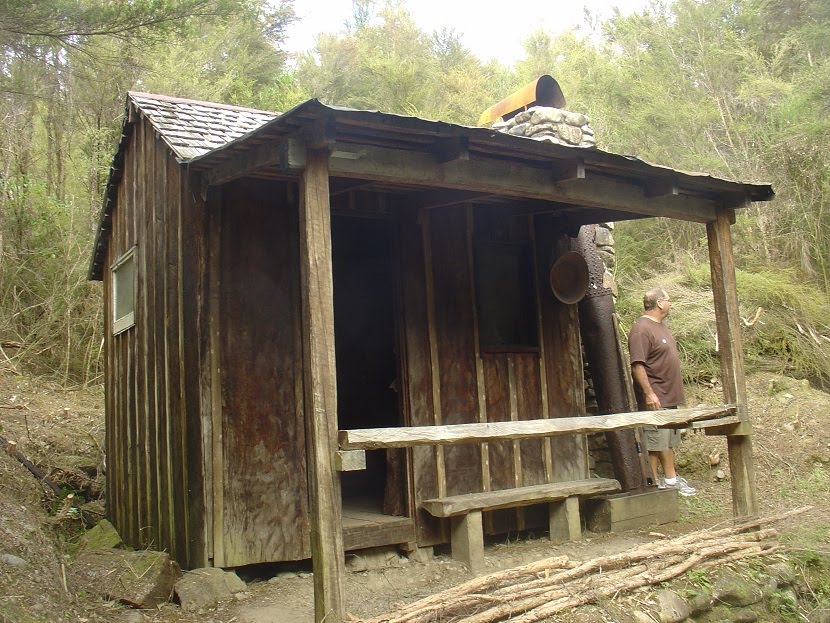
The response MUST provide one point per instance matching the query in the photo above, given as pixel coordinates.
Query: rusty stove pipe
(600, 342)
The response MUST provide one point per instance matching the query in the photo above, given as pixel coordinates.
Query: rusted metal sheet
(544, 91)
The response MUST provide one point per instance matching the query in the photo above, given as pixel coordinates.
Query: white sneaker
(682, 486)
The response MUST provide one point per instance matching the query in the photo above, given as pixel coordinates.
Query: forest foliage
(736, 88)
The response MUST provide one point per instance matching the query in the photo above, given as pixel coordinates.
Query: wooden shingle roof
(192, 128)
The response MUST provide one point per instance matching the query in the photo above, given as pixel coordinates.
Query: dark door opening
(365, 350)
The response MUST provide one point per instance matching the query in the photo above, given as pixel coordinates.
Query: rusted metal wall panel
(264, 493)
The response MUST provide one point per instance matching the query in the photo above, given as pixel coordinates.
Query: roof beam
(509, 179)
(568, 170)
(244, 163)
(484, 177)
(662, 187)
(435, 198)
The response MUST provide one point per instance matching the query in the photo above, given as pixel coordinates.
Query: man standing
(658, 384)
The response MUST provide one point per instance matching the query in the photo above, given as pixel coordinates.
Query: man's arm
(638, 371)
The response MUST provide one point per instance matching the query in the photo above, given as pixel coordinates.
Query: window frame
(528, 338)
(127, 319)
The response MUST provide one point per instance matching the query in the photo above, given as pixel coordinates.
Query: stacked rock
(550, 124)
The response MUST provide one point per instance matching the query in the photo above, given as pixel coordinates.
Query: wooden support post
(467, 541)
(739, 441)
(320, 395)
(565, 524)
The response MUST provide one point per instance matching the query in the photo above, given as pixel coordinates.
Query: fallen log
(10, 447)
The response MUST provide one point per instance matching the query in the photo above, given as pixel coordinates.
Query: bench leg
(565, 524)
(467, 541)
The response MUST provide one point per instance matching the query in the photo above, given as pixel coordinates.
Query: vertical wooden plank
(216, 465)
(453, 325)
(435, 367)
(121, 417)
(502, 476)
(468, 541)
(547, 446)
(141, 417)
(565, 524)
(177, 484)
(194, 341)
(417, 378)
(320, 389)
(514, 417)
(518, 472)
(529, 407)
(724, 290)
(265, 495)
(295, 300)
(115, 420)
(481, 388)
(563, 355)
(404, 479)
(150, 528)
(164, 529)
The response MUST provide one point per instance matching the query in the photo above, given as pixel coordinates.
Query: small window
(123, 292)
(506, 297)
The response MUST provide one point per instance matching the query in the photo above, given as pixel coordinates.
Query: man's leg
(654, 459)
(667, 461)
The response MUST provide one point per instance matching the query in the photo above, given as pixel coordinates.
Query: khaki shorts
(660, 439)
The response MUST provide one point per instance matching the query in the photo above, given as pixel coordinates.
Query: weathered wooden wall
(205, 396)
(450, 380)
(263, 501)
(154, 473)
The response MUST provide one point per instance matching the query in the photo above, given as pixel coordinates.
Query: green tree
(388, 63)
(64, 69)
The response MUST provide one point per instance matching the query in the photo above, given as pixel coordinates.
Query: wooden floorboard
(364, 527)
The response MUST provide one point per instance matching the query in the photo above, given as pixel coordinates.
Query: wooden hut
(272, 279)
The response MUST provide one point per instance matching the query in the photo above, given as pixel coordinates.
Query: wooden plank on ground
(403, 437)
(360, 533)
(522, 496)
(627, 511)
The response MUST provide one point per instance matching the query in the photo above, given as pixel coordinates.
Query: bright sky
(489, 30)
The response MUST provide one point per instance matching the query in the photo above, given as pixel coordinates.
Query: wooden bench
(464, 511)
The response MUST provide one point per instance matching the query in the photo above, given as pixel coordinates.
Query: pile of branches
(539, 590)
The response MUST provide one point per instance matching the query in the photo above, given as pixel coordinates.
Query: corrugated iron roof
(193, 128)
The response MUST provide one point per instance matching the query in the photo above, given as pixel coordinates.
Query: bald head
(652, 296)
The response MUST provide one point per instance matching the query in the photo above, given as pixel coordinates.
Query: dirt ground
(62, 432)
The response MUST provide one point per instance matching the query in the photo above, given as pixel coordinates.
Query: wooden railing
(407, 436)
